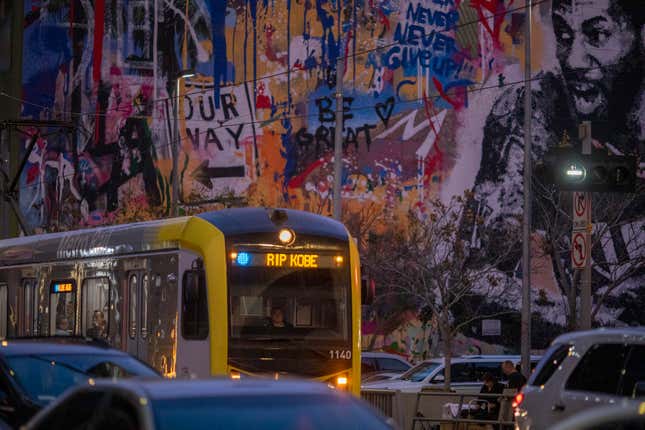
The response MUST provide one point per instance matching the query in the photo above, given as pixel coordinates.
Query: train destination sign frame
(287, 260)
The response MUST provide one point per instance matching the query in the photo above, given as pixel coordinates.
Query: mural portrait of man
(601, 56)
(599, 76)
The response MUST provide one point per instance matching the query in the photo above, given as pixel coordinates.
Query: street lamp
(175, 142)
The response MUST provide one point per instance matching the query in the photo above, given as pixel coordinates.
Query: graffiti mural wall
(433, 101)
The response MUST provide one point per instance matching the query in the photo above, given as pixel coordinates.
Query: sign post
(581, 239)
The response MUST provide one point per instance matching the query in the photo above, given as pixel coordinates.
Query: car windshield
(419, 372)
(269, 412)
(44, 377)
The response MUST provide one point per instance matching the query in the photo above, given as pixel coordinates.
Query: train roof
(234, 222)
(147, 236)
(89, 243)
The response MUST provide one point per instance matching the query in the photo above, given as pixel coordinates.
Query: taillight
(518, 399)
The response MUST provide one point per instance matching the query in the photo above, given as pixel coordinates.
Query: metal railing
(470, 412)
(383, 400)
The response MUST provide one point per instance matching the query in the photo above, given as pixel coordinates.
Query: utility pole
(584, 133)
(175, 155)
(338, 138)
(526, 220)
(174, 209)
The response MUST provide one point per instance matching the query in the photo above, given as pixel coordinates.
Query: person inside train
(62, 326)
(99, 325)
(277, 318)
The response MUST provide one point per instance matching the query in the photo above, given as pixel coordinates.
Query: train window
(62, 308)
(95, 311)
(28, 303)
(145, 290)
(3, 311)
(132, 286)
(194, 310)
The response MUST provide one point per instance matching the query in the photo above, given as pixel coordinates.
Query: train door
(138, 294)
(193, 351)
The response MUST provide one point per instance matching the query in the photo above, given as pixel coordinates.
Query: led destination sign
(62, 287)
(286, 260)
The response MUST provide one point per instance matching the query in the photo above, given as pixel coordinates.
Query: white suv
(583, 370)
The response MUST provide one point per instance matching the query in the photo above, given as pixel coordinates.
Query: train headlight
(286, 236)
(342, 382)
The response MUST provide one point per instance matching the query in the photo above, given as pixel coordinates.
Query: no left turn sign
(579, 249)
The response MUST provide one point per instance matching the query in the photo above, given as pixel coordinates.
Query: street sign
(580, 243)
(491, 327)
(581, 210)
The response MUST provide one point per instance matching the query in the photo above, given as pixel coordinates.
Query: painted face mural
(595, 40)
(433, 94)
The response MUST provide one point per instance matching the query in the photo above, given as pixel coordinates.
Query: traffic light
(571, 171)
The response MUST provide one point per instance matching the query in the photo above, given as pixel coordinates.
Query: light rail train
(235, 292)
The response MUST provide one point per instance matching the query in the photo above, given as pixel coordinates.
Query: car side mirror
(639, 389)
(438, 378)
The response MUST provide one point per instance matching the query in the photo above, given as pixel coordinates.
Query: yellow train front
(236, 292)
(292, 283)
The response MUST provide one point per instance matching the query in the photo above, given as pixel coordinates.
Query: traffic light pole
(525, 343)
(584, 133)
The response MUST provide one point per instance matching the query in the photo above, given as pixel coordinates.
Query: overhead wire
(273, 120)
(264, 77)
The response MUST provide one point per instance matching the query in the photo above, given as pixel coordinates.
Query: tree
(429, 262)
(617, 247)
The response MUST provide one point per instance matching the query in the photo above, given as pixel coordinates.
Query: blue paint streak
(220, 65)
(289, 152)
(329, 47)
(254, 15)
(46, 49)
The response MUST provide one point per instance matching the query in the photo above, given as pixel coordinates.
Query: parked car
(466, 373)
(35, 371)
(379, 376)
(583, 370)
(375, 363)
(206, 405)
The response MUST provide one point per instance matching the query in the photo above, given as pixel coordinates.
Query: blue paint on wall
(220, 65)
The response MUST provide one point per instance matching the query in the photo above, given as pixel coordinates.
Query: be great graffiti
(322, 138)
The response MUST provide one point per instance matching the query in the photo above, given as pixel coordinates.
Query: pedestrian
(515, 379)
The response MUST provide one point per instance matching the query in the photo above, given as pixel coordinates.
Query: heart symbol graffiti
(384, 110)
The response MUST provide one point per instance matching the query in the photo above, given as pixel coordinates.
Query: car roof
(633, 334)
(378, 354)
(477, 358)
(177, 389)
(55, 345)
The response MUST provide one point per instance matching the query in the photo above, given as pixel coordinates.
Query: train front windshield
(289, 312)
(293, 302)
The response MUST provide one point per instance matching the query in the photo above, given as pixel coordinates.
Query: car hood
(393, 384)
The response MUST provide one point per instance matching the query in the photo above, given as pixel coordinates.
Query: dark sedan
(208, 405)
(35, 371)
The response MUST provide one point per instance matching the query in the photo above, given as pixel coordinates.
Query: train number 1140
(340, 354)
